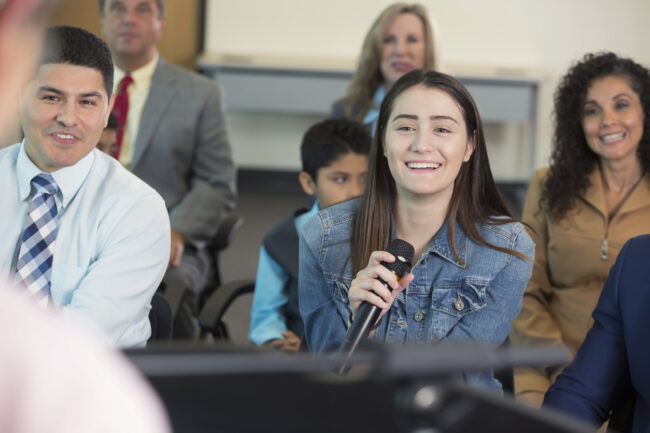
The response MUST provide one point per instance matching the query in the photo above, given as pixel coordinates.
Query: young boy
(108, 139)
(334, 157)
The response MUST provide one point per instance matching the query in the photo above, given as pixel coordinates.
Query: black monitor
(390, 389)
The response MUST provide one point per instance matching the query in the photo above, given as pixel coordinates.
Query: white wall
(528, 34)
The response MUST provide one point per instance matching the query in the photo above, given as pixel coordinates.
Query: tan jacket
(572, 261)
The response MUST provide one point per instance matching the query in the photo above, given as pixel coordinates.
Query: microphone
(368, 313)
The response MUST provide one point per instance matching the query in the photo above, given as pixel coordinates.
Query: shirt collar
(140, 75)
(595, 194)
(379, 96)
(69, 179)
(639, 196)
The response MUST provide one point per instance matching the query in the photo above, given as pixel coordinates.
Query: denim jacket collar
(441, 246)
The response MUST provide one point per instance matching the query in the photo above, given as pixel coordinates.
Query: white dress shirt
(138, 92)
(112, 246)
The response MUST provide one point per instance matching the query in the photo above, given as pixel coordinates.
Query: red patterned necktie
(121, 111)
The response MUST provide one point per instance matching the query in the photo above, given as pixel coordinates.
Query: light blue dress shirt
(112, 247)
(372, 116)
(267, 320)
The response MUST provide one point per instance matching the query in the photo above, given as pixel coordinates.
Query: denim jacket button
(418, 316)
(459, 304)
(424, 261)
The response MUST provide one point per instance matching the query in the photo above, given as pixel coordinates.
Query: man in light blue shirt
(334, 157)
(112, 244)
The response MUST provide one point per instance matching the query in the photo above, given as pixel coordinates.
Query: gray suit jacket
(183, 151)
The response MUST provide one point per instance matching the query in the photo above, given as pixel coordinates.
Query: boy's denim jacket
(446, 302)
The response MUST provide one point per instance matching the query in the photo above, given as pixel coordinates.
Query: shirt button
(424, 261)
(418, 316)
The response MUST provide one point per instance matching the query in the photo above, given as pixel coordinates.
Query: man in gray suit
(173, 136)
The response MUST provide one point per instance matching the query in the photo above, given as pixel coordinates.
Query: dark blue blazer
(614, 359)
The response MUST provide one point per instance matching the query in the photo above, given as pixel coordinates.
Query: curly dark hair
(572, 160)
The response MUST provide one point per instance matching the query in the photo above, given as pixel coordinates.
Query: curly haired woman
(594, 196)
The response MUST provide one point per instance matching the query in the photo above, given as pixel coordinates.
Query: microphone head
(403, 252)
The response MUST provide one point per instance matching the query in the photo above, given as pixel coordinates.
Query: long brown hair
(475, 198)
(367, 78)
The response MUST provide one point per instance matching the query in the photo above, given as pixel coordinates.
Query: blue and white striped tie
(34, 266)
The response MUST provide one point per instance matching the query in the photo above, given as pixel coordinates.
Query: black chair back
(160, 317)
(227, 231)
(514, 193)
(211, 316)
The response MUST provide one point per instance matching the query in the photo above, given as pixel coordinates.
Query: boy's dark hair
(112, 122)
(75, 46)
(326, 141)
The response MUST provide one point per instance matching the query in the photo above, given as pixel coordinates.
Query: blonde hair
(368, 77)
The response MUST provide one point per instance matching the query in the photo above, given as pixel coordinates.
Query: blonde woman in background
(400, 40)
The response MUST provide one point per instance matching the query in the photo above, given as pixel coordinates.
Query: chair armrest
(216, 305)
(227, 231)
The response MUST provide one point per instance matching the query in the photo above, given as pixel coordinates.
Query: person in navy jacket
(614, 360)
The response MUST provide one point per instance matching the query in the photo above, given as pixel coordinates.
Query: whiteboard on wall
(473, 35)
(495, 33)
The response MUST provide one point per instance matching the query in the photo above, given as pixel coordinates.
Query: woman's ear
(469, 149)
(307, 183)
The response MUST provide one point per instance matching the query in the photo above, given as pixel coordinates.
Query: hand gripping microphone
(368, 313)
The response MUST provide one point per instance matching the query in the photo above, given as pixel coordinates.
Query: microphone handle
(359, 329)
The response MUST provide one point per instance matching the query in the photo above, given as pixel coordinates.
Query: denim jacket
(446, 302)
